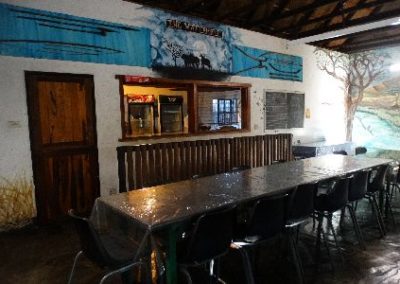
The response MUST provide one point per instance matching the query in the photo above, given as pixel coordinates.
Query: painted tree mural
(175, 49)
(356, 72)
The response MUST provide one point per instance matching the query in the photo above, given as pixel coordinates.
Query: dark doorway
(62, 127)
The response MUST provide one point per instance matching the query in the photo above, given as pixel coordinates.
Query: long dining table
(164, 207)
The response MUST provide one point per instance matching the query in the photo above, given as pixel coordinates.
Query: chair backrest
(378, 181)
(358, 185)
(392, 174)
(340, 152)
(268, 217)
(211, 236)
(336, 197)
(301, 202)
(360, 150)
(90, 242)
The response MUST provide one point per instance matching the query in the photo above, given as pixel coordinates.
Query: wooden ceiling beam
(351, 39)
(196, 4)
(358, 40)
(339, 12)
(359, 21)
(376, 44)
(247, 8)
(302, 9)
(302, 21)
(345, 38)
(362, 34)
(266, 20)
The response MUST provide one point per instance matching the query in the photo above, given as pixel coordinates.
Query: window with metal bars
(225, 111)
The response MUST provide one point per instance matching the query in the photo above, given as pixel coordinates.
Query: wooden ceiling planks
(294, 19)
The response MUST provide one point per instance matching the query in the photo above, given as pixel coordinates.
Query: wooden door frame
(35, 134)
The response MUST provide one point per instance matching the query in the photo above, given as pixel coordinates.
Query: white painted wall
(322, 94)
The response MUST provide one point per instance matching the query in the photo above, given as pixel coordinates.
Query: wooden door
(63, 143)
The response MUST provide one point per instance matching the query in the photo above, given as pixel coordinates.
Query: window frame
(232, 111)
(192, 87)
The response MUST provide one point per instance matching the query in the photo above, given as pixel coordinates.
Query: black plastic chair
(209, 239)
(377, 185)
(333, 199)
(266, 220)
(300, 208)
(360, 150)
(340, 152)
(357, 190)
(121, 259)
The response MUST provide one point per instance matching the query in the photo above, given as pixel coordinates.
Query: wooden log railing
(153, 164)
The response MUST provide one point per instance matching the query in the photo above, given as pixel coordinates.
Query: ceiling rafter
(256, 6)
(327, 22)
(301, 9)
(305, 18)
(238, 9)
(339, 12)
(192, 6)
(295, 19)
(349, 40)
(363, 20)
(266, 20)
(363, 34)
(353, 48)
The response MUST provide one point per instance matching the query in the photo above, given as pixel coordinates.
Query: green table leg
(171, 256)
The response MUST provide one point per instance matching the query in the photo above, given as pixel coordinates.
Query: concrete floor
(45, 254)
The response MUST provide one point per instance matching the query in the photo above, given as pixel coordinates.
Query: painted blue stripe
(258, 63)
(40, 34)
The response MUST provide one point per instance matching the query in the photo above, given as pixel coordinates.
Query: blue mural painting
(41, 34)
(184, 42)
(168, 41)
(253, 62)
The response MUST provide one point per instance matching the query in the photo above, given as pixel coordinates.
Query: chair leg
(356, 226)
(378, 215)
(389, 207)
(119, 271)
(320, 231)
(214, 270)
(355, 205)
(184, 270)
(330, 225)
(71, 275)
(296, 258)
(328, 252)
(248, 271)
(342, 216)
(318, 243)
